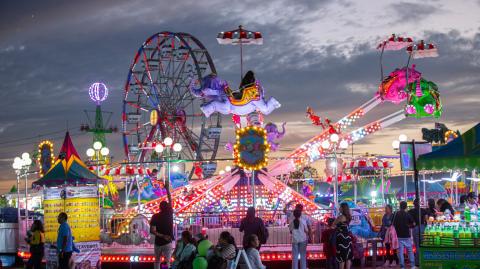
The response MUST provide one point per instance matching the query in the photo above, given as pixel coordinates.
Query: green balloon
(203, 248)
(200, 263)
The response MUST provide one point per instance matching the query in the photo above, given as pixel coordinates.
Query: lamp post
(98, 155)
(21, 167)
(396, 147)
(333, 142)
(168, 146)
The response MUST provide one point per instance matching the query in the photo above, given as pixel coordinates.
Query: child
(328, 245)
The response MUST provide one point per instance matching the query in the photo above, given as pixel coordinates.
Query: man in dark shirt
(402, 221)
(419, 216)
(253, 225)
(161, 225)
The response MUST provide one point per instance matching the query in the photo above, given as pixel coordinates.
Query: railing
(122, 230)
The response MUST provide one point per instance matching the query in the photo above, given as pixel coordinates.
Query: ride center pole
(253, 189)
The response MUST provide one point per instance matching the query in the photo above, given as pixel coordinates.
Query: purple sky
(316, 53)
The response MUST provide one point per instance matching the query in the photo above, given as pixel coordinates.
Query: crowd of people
(400, 230)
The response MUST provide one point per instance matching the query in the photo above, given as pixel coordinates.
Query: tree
(13, 189)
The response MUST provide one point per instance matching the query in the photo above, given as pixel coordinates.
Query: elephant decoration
(220, 98)
(393, 87)
(273, 134)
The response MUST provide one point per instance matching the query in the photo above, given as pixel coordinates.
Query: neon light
(98, 92)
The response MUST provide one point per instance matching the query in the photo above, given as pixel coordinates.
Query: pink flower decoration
(410, 109)
(429, 108)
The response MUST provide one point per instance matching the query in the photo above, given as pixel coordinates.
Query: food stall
(453, 241)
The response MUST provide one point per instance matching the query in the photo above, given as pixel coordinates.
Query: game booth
(70, 187)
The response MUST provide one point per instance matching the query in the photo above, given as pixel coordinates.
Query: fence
(123, 230)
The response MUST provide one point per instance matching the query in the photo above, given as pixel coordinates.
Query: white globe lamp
(97, 145)
(104, 151)
(334, 138)
(402, 138)
(159, 148)
(168, 141)
(395, 144)
(177, 147)
(325, 144)
(90, 152)
(343, 144)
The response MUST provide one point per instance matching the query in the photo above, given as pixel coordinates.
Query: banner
(449, 258)
(82, 207)
(81, 192)
(87, 258)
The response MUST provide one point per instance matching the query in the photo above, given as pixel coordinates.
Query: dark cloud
(409, 12)
(48, 61)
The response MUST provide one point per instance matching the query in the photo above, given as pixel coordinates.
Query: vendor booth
(70, 187)
(453, 242)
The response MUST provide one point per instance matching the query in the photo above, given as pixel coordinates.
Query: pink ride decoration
(392, 88)
(395, 43)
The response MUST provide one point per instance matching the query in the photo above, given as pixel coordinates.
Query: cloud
(316, 53)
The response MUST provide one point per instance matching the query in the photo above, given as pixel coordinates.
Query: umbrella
(240, 37)
(395, 43)
(422, 50)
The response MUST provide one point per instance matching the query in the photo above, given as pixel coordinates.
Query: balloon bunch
(200, 262)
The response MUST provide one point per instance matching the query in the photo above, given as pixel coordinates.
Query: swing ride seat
(246, 94)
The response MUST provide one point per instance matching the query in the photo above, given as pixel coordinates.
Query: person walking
(391, 254)
(36, 240)
(419, 217)
(253, 254)
(253, 225)
(64, 241)
(403, 222)
(344, 247)
(161, 225)
(300, 235)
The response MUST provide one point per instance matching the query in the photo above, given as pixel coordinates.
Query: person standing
(253, 254)
(36, 242)
(391, 254)
(403, 222)
(300, 235)
(471, 202)
(344, 247)
(161, 225)
(253, 225)
(431, 210)
(419, 216)
(328, 246)
(64, 241)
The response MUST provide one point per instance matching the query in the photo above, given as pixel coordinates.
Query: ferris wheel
(158, 103)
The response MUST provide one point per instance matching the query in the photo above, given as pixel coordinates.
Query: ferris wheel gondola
(158, 103)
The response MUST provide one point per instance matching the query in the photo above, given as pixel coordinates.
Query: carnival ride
(404, 84)
(176, 66)
(158, 102)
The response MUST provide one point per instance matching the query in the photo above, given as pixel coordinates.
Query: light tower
(98, 93)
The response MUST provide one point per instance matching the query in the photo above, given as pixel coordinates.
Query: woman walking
(344, 249)
(391, 254)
